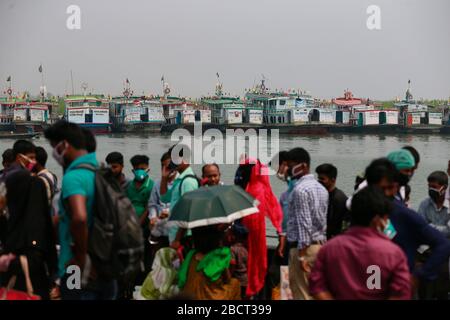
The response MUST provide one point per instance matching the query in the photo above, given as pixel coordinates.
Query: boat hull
(137, 127)
(97, 128)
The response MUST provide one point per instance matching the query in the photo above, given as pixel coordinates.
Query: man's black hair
(328, 170)
(91, 144)
(165, 156)
(114, 157)
(139, 159)
(63, 130)
(23, 147)
(8, 156)
(41, 156)
(379, 169)
(414, 153)
(368, 203)
(299, 155)
(210, 164)
(439, 177)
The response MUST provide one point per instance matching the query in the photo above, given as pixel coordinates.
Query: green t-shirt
(176, 192)
(139, 197)
(75, 182)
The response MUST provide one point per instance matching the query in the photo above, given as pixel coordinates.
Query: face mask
(296, 171)
(140, 174)
(403, 179)
(388, 229)
(59, 156)
(281, 176)
(435, 194)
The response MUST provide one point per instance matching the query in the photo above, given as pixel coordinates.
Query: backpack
(116, 244)
(189, 176)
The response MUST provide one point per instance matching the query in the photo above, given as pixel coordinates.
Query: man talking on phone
(185, 181)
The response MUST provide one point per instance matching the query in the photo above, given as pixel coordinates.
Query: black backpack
(116, 244)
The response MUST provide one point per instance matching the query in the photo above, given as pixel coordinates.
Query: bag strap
(185, 177)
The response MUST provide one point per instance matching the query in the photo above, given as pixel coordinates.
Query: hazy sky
(322, 46)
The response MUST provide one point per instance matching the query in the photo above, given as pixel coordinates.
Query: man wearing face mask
(435, 209)
(307, 222)
(406, 165)
(407, 228)
(340, 271)
(337, 211)
(138, 191)
(76, 208)
(24, 155)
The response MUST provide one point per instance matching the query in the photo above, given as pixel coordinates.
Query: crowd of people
(368, 245)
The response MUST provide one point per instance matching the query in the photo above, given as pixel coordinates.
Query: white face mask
(281, 176)
(59, 156)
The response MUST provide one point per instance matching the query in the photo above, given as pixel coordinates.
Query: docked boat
(88, 111)
(136, 114)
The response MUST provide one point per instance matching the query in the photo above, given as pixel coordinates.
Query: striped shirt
(307, 212)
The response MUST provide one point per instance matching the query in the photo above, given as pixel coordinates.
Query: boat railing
(6, 119)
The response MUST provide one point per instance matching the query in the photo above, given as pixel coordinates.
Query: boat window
(282, 102)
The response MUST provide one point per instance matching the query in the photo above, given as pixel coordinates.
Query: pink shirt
(345, 267)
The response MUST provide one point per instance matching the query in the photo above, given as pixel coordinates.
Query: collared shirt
(437, 218)
(307, 213)
(75, 182)
(412, 232)
(342, 267)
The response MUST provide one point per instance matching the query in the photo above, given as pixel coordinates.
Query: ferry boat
(23, 115)
(136, 114)
(6, 114)
(88, 111)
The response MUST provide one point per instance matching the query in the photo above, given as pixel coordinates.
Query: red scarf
(259, 187)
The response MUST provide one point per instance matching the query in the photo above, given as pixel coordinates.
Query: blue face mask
(389, 230)
(140, 174)
(291, 183)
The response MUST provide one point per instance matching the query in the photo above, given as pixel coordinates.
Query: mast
(71, 79)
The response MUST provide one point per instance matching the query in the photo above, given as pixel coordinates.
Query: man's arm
(439, 245)
(317, 280)
(78, 228)
(400, 288)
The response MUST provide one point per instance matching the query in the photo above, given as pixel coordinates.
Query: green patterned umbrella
(212, 205)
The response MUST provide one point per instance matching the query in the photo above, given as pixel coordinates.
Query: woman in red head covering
(253, 177)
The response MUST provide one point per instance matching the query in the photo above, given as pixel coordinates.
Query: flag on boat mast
(8, 79)
(127, 81)
(162, 78)
(40, 68)
(217, 75)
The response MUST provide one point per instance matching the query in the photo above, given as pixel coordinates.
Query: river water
(349, 153)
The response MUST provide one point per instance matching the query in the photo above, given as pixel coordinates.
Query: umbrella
(212, 205)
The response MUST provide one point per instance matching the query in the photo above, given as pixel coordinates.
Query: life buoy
(9, 91)
(166, 90)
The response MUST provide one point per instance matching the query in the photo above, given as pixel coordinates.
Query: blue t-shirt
(75, 182)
